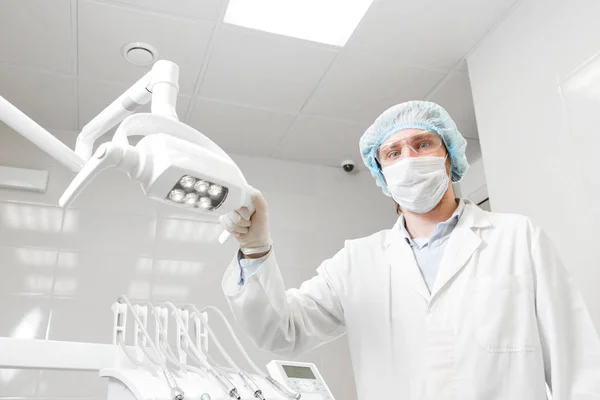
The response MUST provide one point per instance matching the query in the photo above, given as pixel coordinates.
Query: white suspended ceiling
(252, 92)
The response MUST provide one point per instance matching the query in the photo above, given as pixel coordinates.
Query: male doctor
(452, 302)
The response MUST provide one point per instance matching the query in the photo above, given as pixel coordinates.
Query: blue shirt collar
(442, 230)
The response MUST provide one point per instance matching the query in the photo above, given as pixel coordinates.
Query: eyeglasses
(421, 144)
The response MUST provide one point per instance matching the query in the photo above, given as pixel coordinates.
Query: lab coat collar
(462, 244)
(472, 217)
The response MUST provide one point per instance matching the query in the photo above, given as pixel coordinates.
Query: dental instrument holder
(120, 325)
(138, 338)
(145, 383)
(126, 379)
(136, 384)
(119, 322)
(181, 342)
(163, 321)
(200, 332)
(169, 147)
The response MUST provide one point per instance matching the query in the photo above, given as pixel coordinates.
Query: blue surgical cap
(420, 115)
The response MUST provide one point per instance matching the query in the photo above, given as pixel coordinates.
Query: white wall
(61, 270)
(541, 155)
(473, 185)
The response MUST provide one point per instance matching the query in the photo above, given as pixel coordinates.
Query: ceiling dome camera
(348, 165)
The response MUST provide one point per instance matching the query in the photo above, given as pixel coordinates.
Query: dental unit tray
(157, 367)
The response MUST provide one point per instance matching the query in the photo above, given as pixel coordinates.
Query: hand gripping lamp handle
(225, 235)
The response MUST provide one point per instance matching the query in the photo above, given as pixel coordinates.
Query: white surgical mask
(417, 183)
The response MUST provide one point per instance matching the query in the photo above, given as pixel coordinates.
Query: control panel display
(294, 371)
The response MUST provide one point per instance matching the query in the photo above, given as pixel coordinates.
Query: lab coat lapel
(461, 245)
(402, 261)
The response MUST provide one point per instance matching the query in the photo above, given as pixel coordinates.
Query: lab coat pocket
(505, 313)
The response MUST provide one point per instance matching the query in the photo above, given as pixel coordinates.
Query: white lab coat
(503, 317)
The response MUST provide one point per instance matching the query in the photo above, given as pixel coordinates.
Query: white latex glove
(251, 231)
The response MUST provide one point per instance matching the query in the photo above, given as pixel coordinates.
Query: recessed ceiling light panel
(324, 21)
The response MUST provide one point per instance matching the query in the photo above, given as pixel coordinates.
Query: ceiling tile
(432, 33)
(95, 95)
(321, 140)
(207, 10)
(240, 129)
(455, 96)
(264, 70)
(359, 88)
(37, 33)
(46, 97)
(181, 41)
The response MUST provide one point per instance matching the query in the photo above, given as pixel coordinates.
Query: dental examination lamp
(173, 162)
